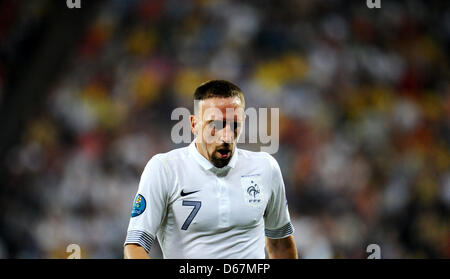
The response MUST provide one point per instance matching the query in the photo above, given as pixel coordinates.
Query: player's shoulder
(170, 157)
(245, 153)
(259, 156)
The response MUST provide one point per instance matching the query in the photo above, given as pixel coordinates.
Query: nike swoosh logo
(188, 193)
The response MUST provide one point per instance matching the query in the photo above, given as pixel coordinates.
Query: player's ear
(193, 121)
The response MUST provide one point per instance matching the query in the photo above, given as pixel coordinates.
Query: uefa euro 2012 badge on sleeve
(253, 190)
(138, 206)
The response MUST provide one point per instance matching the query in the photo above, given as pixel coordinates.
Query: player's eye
(219, 125)
(235, 125)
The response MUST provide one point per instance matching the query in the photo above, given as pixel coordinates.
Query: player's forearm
(283, 248)
(133, 251)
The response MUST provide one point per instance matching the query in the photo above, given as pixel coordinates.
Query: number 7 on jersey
(196, 205)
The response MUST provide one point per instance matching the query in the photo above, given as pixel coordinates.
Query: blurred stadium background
(86, 97)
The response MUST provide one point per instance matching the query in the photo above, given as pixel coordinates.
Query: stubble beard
(219, 162)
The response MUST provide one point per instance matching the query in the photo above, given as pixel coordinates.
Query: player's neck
(202, 151)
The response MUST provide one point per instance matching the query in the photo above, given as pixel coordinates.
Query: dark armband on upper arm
(282, 232)
(141, 238)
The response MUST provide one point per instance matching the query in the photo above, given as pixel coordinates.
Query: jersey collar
(207, 165)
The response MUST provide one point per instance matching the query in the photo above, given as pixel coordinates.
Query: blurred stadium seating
(364, 98)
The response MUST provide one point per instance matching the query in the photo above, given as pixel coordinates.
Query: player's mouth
(224, 153)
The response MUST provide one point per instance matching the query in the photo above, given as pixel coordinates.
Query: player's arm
(148, 211)
(282, 248)
(279, 230)
(134, 251)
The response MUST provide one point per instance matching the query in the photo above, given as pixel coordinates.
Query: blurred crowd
(364, 99)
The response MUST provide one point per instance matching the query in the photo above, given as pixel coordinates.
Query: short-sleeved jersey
(199, 211)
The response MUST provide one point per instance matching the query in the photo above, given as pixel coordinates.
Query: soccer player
(212, 199)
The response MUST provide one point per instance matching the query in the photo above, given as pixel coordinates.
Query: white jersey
(199, 211)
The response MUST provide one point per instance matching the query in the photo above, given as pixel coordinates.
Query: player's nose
(227, 134)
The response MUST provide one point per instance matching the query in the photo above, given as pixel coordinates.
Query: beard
(221, 156)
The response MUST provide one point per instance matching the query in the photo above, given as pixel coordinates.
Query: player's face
(217, 126)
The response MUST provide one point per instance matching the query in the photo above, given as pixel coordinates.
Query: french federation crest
(253, 190)
(138, 206)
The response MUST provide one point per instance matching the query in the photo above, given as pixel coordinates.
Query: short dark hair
(218, 89)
